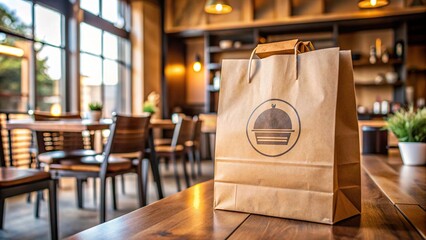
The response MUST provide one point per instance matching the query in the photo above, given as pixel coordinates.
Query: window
(14, 73)
(116, 12)
(104, 70)
(33, 61)
(31, 56)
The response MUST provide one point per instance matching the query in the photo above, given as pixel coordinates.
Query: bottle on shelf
(372, 58)
(399, 49)
(384, 107)
(216, 80)
(378, 48)
(385, 56)
(377, 106)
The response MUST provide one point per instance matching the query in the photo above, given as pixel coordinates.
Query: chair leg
(142, 184)
(190, 154)
(39, 195)
(113, 192)
(79, 186)
(175, 168)
(29, 198)
(198, 159)
(156, 174)
(123, 189)
(53, 210)
(166, 164)
(103, 200)
(145, 166)
(95, 191)
(1, 212)
(185, 172)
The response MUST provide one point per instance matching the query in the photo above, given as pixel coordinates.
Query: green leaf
(408, 125)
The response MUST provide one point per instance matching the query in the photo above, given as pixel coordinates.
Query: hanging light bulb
(372, 3)
(197, 64)
(217, 7)
(55, 109)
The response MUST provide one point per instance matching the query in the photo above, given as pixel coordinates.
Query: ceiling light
(217, 7)
(197, 64)
(373, 3)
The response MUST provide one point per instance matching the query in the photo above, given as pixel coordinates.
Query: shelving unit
(216, 49)
(363, 62)
(214, 54)
(325, 22)
(372, 84)
(322, 37)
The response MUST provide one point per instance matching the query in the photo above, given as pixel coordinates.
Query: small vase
(95, 116)
(413, 153)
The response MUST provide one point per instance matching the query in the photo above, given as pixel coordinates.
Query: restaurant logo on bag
(273, 128)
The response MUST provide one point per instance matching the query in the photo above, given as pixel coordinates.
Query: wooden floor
(21, 224)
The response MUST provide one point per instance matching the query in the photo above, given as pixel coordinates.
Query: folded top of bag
(283, 47)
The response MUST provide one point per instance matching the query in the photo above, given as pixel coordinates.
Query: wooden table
(86, 125)
(405, 186)
(189, 215)
(162, 123)
(76, 125)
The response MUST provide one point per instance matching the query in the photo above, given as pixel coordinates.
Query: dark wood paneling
(175, 76)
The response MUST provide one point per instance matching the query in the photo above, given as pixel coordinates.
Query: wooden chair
(193, 146)
(128, 135)
(14, 181)
(57, 146)
(20, 145)
(182, 133)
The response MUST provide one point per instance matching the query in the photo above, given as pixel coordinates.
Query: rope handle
(307, 46)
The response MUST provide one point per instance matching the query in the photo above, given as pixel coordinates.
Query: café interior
(109, 111)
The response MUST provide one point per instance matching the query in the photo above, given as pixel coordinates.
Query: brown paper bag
(287, 135)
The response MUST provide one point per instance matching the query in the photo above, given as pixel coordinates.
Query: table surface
(404, 186)
(75, 125)
(82, 125)
(190, 215)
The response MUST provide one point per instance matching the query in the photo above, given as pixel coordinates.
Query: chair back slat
(182, 132)
(128, 134)
(19, 141)
(196, 134)
(62, 141)
(2, 156)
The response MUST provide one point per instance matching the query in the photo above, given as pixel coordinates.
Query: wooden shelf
(214, 66)
(297, 20)
(363, 62)
(244, 47)
(416, 71)
(373, 84)
(369, 116)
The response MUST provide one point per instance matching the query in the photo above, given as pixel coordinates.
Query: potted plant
(409, 127)
(148, 107)
(95, 111)
(151, 104)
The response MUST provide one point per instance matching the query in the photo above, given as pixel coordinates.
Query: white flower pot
(413, 153)
(95, 116)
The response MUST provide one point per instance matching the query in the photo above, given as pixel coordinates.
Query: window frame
(72, 15)
(105, 26)
(59, 7)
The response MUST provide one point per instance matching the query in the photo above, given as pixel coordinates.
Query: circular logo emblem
(273, 128)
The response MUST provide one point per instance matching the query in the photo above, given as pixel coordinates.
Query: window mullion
(33, 65)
